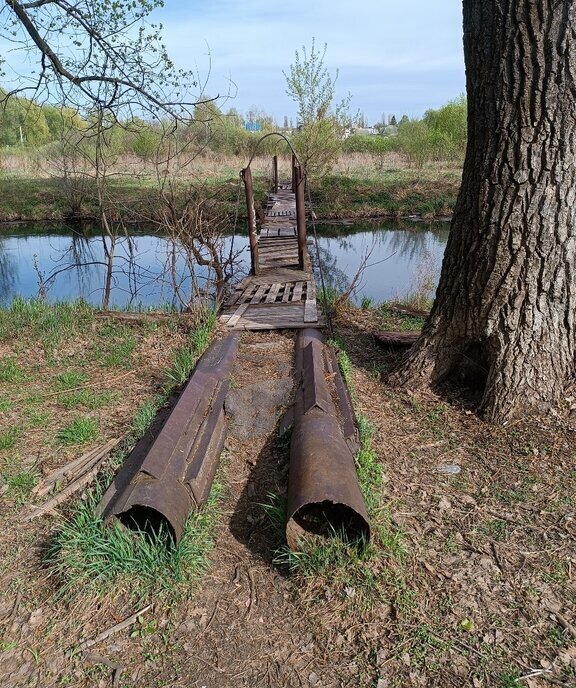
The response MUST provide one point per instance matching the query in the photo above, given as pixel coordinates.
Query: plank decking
(281, 296)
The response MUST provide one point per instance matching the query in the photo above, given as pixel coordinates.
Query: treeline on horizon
(24, 124)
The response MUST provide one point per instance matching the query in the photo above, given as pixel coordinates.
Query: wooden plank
(247, 293)
(237, 314)
(240, 288)
(310, 307)
(274, 289)
(262, 289)
(287, 289)
(310, 312)
(271, 248)
(297, 293)
(278, 241)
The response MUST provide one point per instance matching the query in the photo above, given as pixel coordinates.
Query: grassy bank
(429, 193)
(71, 380)
(360, 186)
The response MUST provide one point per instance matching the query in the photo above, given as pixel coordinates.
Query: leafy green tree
(142, 138)
(450, 122)
(440, 135)
(22, 122)
(417, 141)
(320, 123)
(95, 52)
(60, 120)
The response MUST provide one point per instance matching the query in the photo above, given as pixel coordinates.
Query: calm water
(147, 267)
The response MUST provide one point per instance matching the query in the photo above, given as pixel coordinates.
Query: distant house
(253, 126)
(366, 131)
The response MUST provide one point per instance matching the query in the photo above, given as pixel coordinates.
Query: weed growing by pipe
(87, 557)
(357, 574)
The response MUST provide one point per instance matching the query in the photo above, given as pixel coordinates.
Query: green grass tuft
(86, 557)
(19, 480)
(182, 365)
(145, 415)
(10, 371)
(275, 508)
(118, 349)
(87, 398)
(9, 437)
(6, 405)
(46, 323)
(79, 431)
(71, 379)
(185, 358)
(21, 484)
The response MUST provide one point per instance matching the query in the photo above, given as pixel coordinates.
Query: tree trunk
(506, 302)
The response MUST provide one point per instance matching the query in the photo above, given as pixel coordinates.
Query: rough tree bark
(506, 303)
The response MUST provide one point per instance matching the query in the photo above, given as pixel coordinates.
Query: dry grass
(360, 186)
(479, 591)
(487, 517)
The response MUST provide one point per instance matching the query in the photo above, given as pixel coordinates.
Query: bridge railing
(298, 188)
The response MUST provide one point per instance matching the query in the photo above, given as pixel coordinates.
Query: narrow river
(149, 271)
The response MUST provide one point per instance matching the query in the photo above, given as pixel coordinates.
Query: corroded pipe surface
(162, 482)
(323, 491)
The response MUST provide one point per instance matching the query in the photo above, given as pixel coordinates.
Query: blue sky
(395, 57)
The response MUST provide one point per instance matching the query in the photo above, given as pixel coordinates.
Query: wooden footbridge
(280, 292)
(163, 481)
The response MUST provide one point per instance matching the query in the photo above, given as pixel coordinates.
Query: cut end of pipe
(145, 519)
(326, 519)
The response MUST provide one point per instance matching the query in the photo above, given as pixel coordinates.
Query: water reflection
(149, 270)
(394, 262)
(8, 272)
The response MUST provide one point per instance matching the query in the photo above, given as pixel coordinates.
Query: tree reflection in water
(8, 272)
(152, 271)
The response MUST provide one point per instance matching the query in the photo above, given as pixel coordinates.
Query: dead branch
(76, 467)
(114, 629)
(74, 486)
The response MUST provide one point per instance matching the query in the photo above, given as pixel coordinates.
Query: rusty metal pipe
(162, 483)
(323, 491)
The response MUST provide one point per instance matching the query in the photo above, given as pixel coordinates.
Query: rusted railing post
(301, 217)
(275, 173)
(248, 188)
(293, 173)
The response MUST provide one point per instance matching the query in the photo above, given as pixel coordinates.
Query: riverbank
(359, 188)
(468, 580)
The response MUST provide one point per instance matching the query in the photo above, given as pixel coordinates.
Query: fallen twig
(98, 383)
(73, 487)
(113, 629)
(253, 598)
(78, 466)
(117, 669)
(566, 625)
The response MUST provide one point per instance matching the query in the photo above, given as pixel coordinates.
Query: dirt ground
(487, 521)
